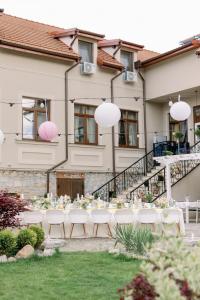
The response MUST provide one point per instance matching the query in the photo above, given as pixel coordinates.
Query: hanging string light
(107, 115)
(180, 110)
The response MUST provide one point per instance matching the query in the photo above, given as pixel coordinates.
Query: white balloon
(107, 114)
(2, 137)
(180, 111)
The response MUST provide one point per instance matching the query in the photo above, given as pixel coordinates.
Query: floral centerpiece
(84, 202)
(161, 202)
(118, 201)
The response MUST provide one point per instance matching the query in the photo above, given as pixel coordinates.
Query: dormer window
(86, 51)
(127, 60)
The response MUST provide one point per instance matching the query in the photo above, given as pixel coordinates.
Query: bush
(134, 239)
(40, 235)
(170, 272)
(7, 242)
(10, 207)
(26, 237)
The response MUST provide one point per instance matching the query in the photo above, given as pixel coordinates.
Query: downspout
(144, 109)
(66, 123)
(113, 128)
(118, 48)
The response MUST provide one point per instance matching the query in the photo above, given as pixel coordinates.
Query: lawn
(68, 276)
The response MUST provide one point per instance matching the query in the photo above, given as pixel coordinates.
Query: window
(176, 126)
(85, 51)
(127, 60)
(128, 129)
(85, 127)
(34, 113)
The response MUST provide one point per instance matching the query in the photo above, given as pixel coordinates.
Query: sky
(159, 25)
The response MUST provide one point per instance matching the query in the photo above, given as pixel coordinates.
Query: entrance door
(70, 187)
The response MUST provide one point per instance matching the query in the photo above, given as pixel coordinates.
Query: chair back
(148, 216)
(181, 204)
(32, 217)
(78, 216)
(55, 216)
(100, 216)
(124, 216)
(171, 215)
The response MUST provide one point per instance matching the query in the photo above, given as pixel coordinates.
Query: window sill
(31, 142)
(86, 145)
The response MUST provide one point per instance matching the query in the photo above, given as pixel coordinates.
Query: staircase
(144, 176)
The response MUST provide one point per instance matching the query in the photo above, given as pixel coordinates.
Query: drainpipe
(66, 123)
(144, 109)
(113, 128)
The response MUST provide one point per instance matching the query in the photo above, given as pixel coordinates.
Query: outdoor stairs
(145, 176)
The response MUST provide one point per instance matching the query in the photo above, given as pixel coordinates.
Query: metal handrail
(184, 174)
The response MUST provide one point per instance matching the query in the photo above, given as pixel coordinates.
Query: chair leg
(72, 227)
(179, 229)
(109, 230)
(96, 230)
(84, 229)
(64, 229)
(196, 215)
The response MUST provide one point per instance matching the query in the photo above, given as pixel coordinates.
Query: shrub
(10, 207)
(40, 235)
(134, 239)
(26, 237)
(7, 242)
(170, 272)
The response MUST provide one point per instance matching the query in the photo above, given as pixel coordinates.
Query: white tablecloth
(102, 231)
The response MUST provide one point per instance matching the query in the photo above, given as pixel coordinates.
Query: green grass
(66, 276)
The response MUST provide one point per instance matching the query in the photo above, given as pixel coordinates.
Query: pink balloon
(48, 131)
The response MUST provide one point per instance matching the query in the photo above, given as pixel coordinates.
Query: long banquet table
(78, 230)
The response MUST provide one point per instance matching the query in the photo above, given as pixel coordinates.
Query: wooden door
(70, 187)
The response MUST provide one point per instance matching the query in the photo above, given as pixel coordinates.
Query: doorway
(70, 184)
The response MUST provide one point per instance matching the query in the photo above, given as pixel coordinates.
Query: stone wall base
(33, 183)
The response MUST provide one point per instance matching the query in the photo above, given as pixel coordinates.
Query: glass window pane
(132, 115)
(79, 130)
(91, 131)
(28, 125)
(28, 103)
(79, 109)
(123, 114)
(132, 134)
(127, 60)
(90, 110)
(85, 51)
(122, 135)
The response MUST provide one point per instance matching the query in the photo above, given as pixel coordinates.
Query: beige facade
(164, 82)
(26, 75)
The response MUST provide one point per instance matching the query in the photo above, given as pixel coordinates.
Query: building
(50, 73)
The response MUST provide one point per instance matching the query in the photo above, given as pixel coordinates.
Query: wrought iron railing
(155, 185)
(127, 178)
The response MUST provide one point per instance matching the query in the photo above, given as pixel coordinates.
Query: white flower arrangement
(162, 202)
(118, 201)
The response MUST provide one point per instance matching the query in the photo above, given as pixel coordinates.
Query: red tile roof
(146, 54)
(80, 32)
(106, 60)
(117, 42)
(194, 44)
(31, 35)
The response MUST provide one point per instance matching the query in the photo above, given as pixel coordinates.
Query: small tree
(10, 207)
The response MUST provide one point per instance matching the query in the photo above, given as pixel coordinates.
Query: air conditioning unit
(130, 76)
(88, 68)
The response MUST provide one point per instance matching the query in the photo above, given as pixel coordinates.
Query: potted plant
(178, 135)
(197, 133)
